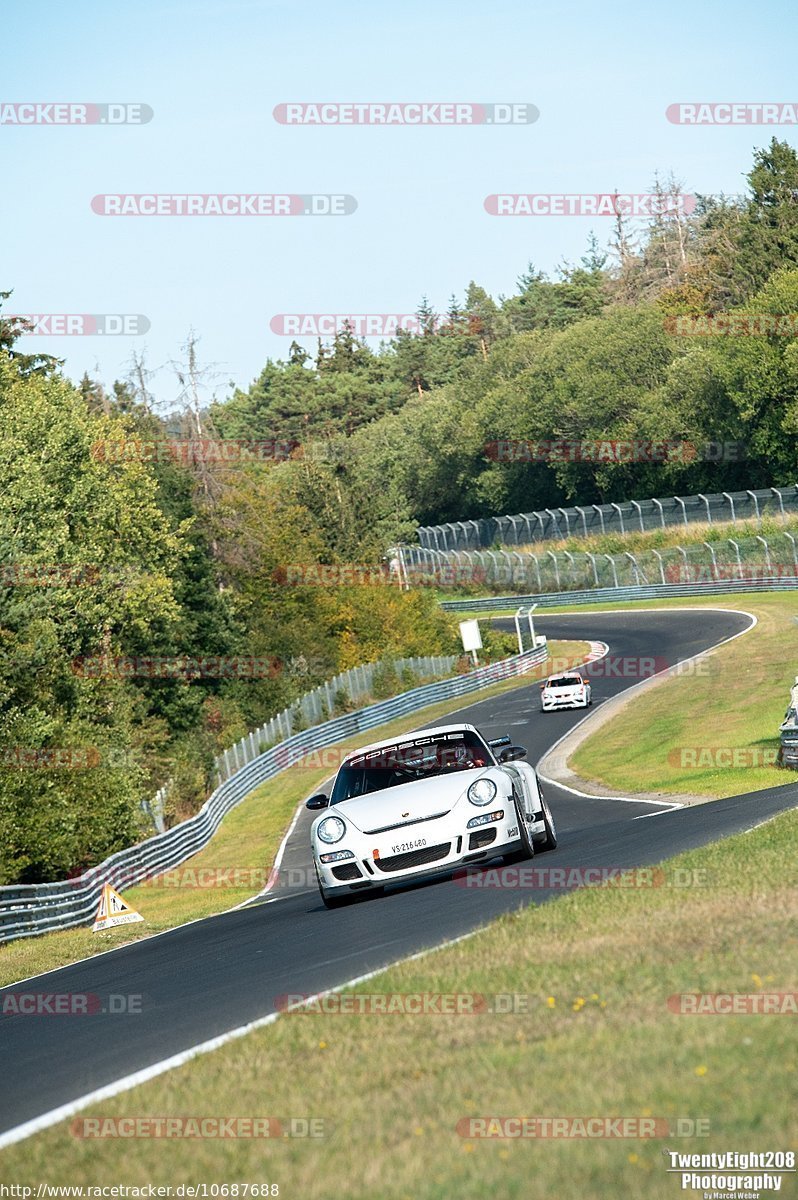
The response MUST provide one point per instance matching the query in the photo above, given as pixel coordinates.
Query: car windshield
(407, 762)
(565, 681)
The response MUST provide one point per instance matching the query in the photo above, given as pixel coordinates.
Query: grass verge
(714, 729)
(240, 855)
(591, 972)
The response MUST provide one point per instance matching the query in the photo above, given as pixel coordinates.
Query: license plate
(405, 846)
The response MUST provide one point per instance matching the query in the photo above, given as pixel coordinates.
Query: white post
(529, 612)
(518, 631)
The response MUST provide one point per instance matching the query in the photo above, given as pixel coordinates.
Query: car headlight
(481, 792)
(336, 856)
(331, 829)
(485, 819)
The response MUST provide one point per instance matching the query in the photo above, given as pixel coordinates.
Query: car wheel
(527, 848)
(549, 842)
(335, 901)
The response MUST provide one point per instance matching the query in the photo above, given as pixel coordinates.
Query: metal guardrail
(631, 516)
(319, 705)
(620, 594)
(27, 910)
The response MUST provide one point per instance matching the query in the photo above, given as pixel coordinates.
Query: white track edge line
(145, 1074)
(667, 806)
(211, 916)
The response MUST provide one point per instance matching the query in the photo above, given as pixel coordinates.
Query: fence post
(658, 557)
(617, 508)
(726, 496)
(553, 557)
(534, 558)
(600, 510)
(794, 556)
(572, 564)
(701, 496)
(767, 553)
(635, 567)
(661, 512)
(714, 560)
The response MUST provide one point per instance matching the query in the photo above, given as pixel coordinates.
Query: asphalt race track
(215, 975)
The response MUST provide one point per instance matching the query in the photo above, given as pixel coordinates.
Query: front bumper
(446, 844)
(552, 703)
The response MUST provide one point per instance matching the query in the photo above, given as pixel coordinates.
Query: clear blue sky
(602, 76)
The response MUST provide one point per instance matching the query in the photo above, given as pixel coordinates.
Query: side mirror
(511, 753)
(320, 801)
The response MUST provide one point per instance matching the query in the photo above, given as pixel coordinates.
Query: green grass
(597, 1039)
(242, 851)
(664, 539)
(678, 735)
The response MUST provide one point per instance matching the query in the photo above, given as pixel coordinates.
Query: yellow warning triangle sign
(114, 910)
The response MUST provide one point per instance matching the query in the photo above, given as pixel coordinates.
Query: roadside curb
(554, 768)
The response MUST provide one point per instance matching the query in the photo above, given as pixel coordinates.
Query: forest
(128, 540)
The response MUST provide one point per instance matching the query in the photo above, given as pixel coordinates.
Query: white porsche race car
(431, 801)
(568, 690)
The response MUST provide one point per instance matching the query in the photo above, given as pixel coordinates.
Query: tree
(12, 328)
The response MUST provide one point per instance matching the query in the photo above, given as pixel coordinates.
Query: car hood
(409, 802)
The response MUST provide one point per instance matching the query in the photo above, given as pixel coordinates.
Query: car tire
(335, 901)
(527, 848)
(549, 842)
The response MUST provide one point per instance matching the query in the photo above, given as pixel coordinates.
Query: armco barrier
(617, 595)
(313, 707)
(30, 909)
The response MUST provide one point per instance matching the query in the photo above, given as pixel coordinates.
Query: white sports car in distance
(568, 690)
(428, 802)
